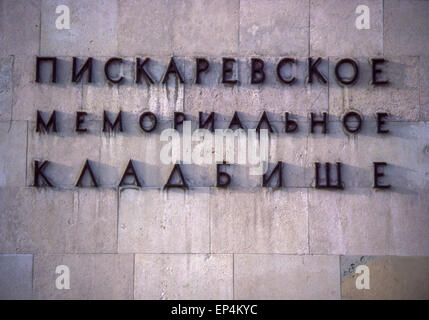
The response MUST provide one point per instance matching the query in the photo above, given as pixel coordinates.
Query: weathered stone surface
(292, 150)
(54, 221)
(19, 27)
(29, 96)
(6, 65)
(145, 150)
(66, 150)
(400, 97)
(368, 222)
(16, 276)
(405, 25)
(274, 27)
(333, 31)
(389, 277)
(424, 88)
(183, 276)
(250, 100)
(163, 99)
(186, 241)
(259, 221)
(273, 277)
(214, 24)
(144, 27)
(274, 96)
(92, 28)
(13, 141)
(154, 221)
(129, 96)
(92, 276)
(210, 95)
(404, 149)
(117, 148)
(101, 94)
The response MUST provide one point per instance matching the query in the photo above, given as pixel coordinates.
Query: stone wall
(245, 242)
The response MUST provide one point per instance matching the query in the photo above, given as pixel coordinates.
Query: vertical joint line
(118, 197)
(328, 84)
(40, 30)
(32, 277)
(309, 27)
(341, 291)
(233, 277)
(11, 89)
(382, 28)
(238, 27)
(134, 275)
(210, 225)
(308, 221)
(26, 153)
(420, 89)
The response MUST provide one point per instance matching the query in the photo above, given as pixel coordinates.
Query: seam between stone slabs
(184, 88)
(210, 225)
(32, 277)
(339, 279)
(12, 87)
(238, 28)
(206, 253)
(170, 28)
(216, 254)
(308, 222)
(40, 28)
(233, 277)
(26, 154)
(309, 28)
(382, 28)
(420, 89)
(213, 253)
(134, 275)
(328, 90)
(118, 196)
(81, 97)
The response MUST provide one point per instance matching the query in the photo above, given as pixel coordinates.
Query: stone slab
(259, 221)
(13, 142)
(57, 221)
(405, 25)
(6, 66)
(282, 277)
(183, 276)
(333, 30)
(214, 24)
(16, 276)
(390, 277)
(362, 221)
(155, 221)
(92, 276)
(19, 27)
(93, 28)
(144, 27)
(274, 27)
